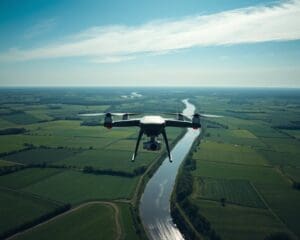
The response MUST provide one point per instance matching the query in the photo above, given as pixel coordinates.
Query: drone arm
(137, 144)
(178, 123)
(167, 144)
(126, 123)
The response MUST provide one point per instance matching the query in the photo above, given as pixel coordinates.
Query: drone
(151, 126)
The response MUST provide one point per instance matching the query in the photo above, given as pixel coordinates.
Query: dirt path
(111, 204)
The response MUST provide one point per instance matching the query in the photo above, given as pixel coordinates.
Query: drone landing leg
(137, 145)
(167, 144)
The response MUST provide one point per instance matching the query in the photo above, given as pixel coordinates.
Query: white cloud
(39, 28)
(120, 43)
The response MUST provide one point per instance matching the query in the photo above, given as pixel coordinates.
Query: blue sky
(150, 43)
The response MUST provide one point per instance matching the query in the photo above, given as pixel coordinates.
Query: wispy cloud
(39, 28)
(279, 22)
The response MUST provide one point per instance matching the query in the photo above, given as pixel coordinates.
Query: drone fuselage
(152, 126)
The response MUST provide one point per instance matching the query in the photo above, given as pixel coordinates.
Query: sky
(246, 43)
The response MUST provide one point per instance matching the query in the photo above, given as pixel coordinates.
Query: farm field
(76, 187)
(94, 221)
(45, 147)
(18, 208)
(109, 159)
(249, 158)
(247, 165)
(238, 222)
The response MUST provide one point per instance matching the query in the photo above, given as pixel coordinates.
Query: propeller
(181, 115)
(206, 115)
(108, 113)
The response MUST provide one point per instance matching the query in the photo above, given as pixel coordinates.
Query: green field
(26, 177)
(238, 192)
(107, 159)
(127, 224)
(38, 156)
(94, 221)
(229, 153)
(75, 187)
(236, 222)
(20, 208)
(250, 158)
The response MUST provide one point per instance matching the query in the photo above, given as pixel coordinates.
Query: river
(155, 201)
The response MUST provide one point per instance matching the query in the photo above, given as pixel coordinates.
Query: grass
(238, 192)
(292, 172)
(26, 177)
(37, 156)
(75, 187)
(6, 124)
(20, 118)
(294, 133)
(127, 224)
(224, 152)
(239, 223)
(95, 221)
(233, 171)
(284, 201)
(243, 133)
(280, 158)
(16, 142)
(235, 137)
(19, 208)
(10, 143)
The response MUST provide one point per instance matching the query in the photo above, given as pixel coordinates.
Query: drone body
(151, 126)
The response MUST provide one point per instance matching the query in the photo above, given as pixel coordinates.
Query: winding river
(155, 201)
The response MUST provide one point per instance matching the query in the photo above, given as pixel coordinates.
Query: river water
(155, 201)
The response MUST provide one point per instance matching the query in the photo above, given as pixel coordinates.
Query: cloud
(40, 28)
(278, 22)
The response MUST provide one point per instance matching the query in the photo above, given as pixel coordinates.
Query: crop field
(26, 177)
(238, 192)
(293, 172)
(236, 222)
(237, 171)
(20, 118)
(76, 187)
(38, 156)
(19, 208)
(94, 221)
(16, 142)
(108, 159)
(230, 153)
(229, 136)
(250, 159)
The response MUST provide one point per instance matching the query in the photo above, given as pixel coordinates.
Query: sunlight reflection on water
(155, 204)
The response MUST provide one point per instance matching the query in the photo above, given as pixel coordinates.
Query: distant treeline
(9, 131)
(287, 127)
(36, 221)
(136, 172)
